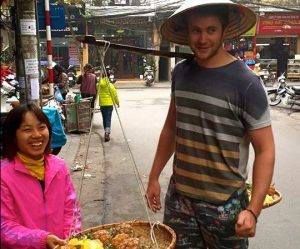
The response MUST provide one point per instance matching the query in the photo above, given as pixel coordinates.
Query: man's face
(205, 35)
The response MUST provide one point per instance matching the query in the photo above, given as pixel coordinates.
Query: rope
(76, 217)
(134, 165)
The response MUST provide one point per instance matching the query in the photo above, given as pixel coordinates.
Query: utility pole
(27, 51)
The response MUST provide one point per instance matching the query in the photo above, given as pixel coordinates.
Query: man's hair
(221, 12)
(13, 122)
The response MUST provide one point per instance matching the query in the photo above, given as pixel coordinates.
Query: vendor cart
(78, 116)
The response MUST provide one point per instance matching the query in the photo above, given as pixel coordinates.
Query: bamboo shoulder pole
(91, 40)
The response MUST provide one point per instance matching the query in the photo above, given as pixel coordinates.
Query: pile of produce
(117, 237)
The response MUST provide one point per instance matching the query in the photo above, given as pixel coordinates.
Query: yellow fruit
(268, 200)
(92, 244)
(75, 242)
(86, 243)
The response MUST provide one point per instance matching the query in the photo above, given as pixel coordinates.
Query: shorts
(201, 225)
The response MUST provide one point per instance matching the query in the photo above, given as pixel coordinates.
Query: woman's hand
(54, 242)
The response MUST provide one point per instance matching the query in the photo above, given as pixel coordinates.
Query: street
(111, 192)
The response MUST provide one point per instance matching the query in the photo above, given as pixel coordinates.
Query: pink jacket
(28, 214)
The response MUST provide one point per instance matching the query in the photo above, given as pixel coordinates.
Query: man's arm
(164, 151)
(263, 144)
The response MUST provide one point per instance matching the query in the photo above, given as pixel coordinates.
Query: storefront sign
(121, 22)
(77, 29)
(279, 24)
(57, 17)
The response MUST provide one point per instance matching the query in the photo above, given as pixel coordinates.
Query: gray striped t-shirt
(214, 109)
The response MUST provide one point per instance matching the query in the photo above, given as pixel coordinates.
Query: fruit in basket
(269, 196)
(268, 200)
(84, 243)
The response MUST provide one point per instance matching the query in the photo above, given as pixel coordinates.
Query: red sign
(279, 24)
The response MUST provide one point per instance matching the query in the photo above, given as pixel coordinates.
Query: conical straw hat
(241, 19)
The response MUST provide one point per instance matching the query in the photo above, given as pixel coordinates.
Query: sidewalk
(87, 172)
(70, 150)
(126, 84)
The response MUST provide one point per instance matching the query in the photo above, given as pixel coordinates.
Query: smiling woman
(30, 219)
(22, 129)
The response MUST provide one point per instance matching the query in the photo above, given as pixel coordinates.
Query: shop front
(65, 50)
(133, 31)
(243, 47)
(277, 41)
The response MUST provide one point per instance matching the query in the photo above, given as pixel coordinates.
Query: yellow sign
(250, 32)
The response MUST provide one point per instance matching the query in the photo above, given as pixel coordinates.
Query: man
(218, 107)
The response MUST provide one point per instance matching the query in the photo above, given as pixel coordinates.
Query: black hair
(59, 68)
(87, 67)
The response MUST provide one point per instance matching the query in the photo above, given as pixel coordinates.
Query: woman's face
(32, 136)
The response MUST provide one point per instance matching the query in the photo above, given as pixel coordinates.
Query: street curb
(141, 85)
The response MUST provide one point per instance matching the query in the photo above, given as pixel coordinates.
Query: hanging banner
(250, 32)
(279, 24)
(57, 12)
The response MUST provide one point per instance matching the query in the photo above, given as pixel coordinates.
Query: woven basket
(277, 197)
(165, 236)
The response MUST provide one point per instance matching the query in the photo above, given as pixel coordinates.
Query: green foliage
(7, 56)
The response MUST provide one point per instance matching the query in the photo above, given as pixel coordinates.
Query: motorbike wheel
(274, 98)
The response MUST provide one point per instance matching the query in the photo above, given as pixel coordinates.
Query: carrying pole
(91, 40)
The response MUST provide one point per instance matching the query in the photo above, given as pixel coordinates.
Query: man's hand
(246, 224)
(54, 242)
(153, 195)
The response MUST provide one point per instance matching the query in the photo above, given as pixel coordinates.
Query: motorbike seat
(296, 89)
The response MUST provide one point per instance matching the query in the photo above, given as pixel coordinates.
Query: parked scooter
(72, 75)
(288, 95)
(149, 76)
(111, 74)
(10, 92)
(265, 74)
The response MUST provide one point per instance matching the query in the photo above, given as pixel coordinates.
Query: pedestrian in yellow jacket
(107, 97)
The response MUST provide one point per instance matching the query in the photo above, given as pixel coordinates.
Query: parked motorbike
(148, 76)
(72, 75)
(111, 74)
(288, 95)
(265, 74)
